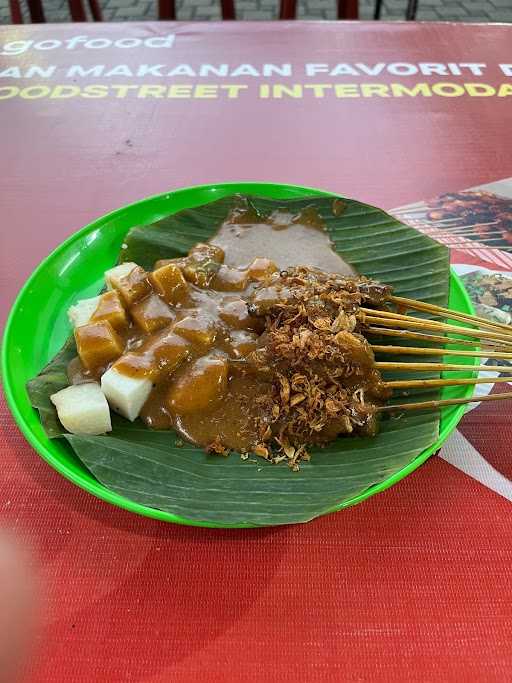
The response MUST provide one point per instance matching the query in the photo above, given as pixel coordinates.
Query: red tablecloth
(414, 584)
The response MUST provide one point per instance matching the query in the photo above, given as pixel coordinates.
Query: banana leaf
(154, 469)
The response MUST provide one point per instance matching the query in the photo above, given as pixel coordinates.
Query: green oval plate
(37, 327)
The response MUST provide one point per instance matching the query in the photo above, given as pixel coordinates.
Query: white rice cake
(83, 409)
(126, 395)
(114, 275)
(81, 313)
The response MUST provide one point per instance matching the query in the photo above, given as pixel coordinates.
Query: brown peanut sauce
(195, 349)
(287, 239)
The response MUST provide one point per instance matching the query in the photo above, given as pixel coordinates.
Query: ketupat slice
(201, 388)
(114, 275)
(205, 251)
(97, 344)
(107, 306)
(137, 365)
(243, 342)
(261, 268)
(170, 351)
(134, 286)
(81, 312)
(169, 282)
(126, 395)
(200, 331)
(180, 262)
(230, 279)
(83, 409)
(110, 308)
(151, 314)
(202, 263)
(234, 312)
(157, 358)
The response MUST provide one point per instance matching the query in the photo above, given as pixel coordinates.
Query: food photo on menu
(477, 226)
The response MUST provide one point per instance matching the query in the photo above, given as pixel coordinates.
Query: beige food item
(151, 314)
(126, 395)
(198, 330)
(111, 308)
(202, 388)
(81, 312)
(134, 286)
(233, 311)
(230, 279)
(261, 268)
(98, 344)
(83, 409)
(169, 282)
(106, 306)
(114, 275)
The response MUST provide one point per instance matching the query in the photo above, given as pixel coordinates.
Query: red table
(414, 584)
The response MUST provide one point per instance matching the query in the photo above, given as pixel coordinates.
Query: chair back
(36, 11)
(347, 9)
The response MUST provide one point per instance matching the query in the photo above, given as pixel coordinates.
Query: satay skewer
(400, 366)
(448, 341)
(422, 351)
(428, 405)
(447, 313)
(404, 322)
(449, 382)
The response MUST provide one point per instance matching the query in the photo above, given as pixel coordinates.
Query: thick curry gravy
(186, 326)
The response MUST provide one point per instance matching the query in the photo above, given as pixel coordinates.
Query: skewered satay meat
(322, 378)
(474, 209)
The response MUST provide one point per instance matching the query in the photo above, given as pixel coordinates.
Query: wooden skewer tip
(427, 405)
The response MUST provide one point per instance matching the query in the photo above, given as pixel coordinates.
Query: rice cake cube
(138, 365)
(134, 286)
(207, 252)
(169, 282)
(230, 279)
(202, 264)
(98, 344)
(125, 394)
(243, 343)
(110, 308)
(234, 312)
(181, 262)
(201, 389)
(151, 314)
(156, 359)
(82, 311)
(200, 273)
(168, 352)
(199, 330)
(261, 268)
(265, 298)
(114, 275)
(83, 409)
